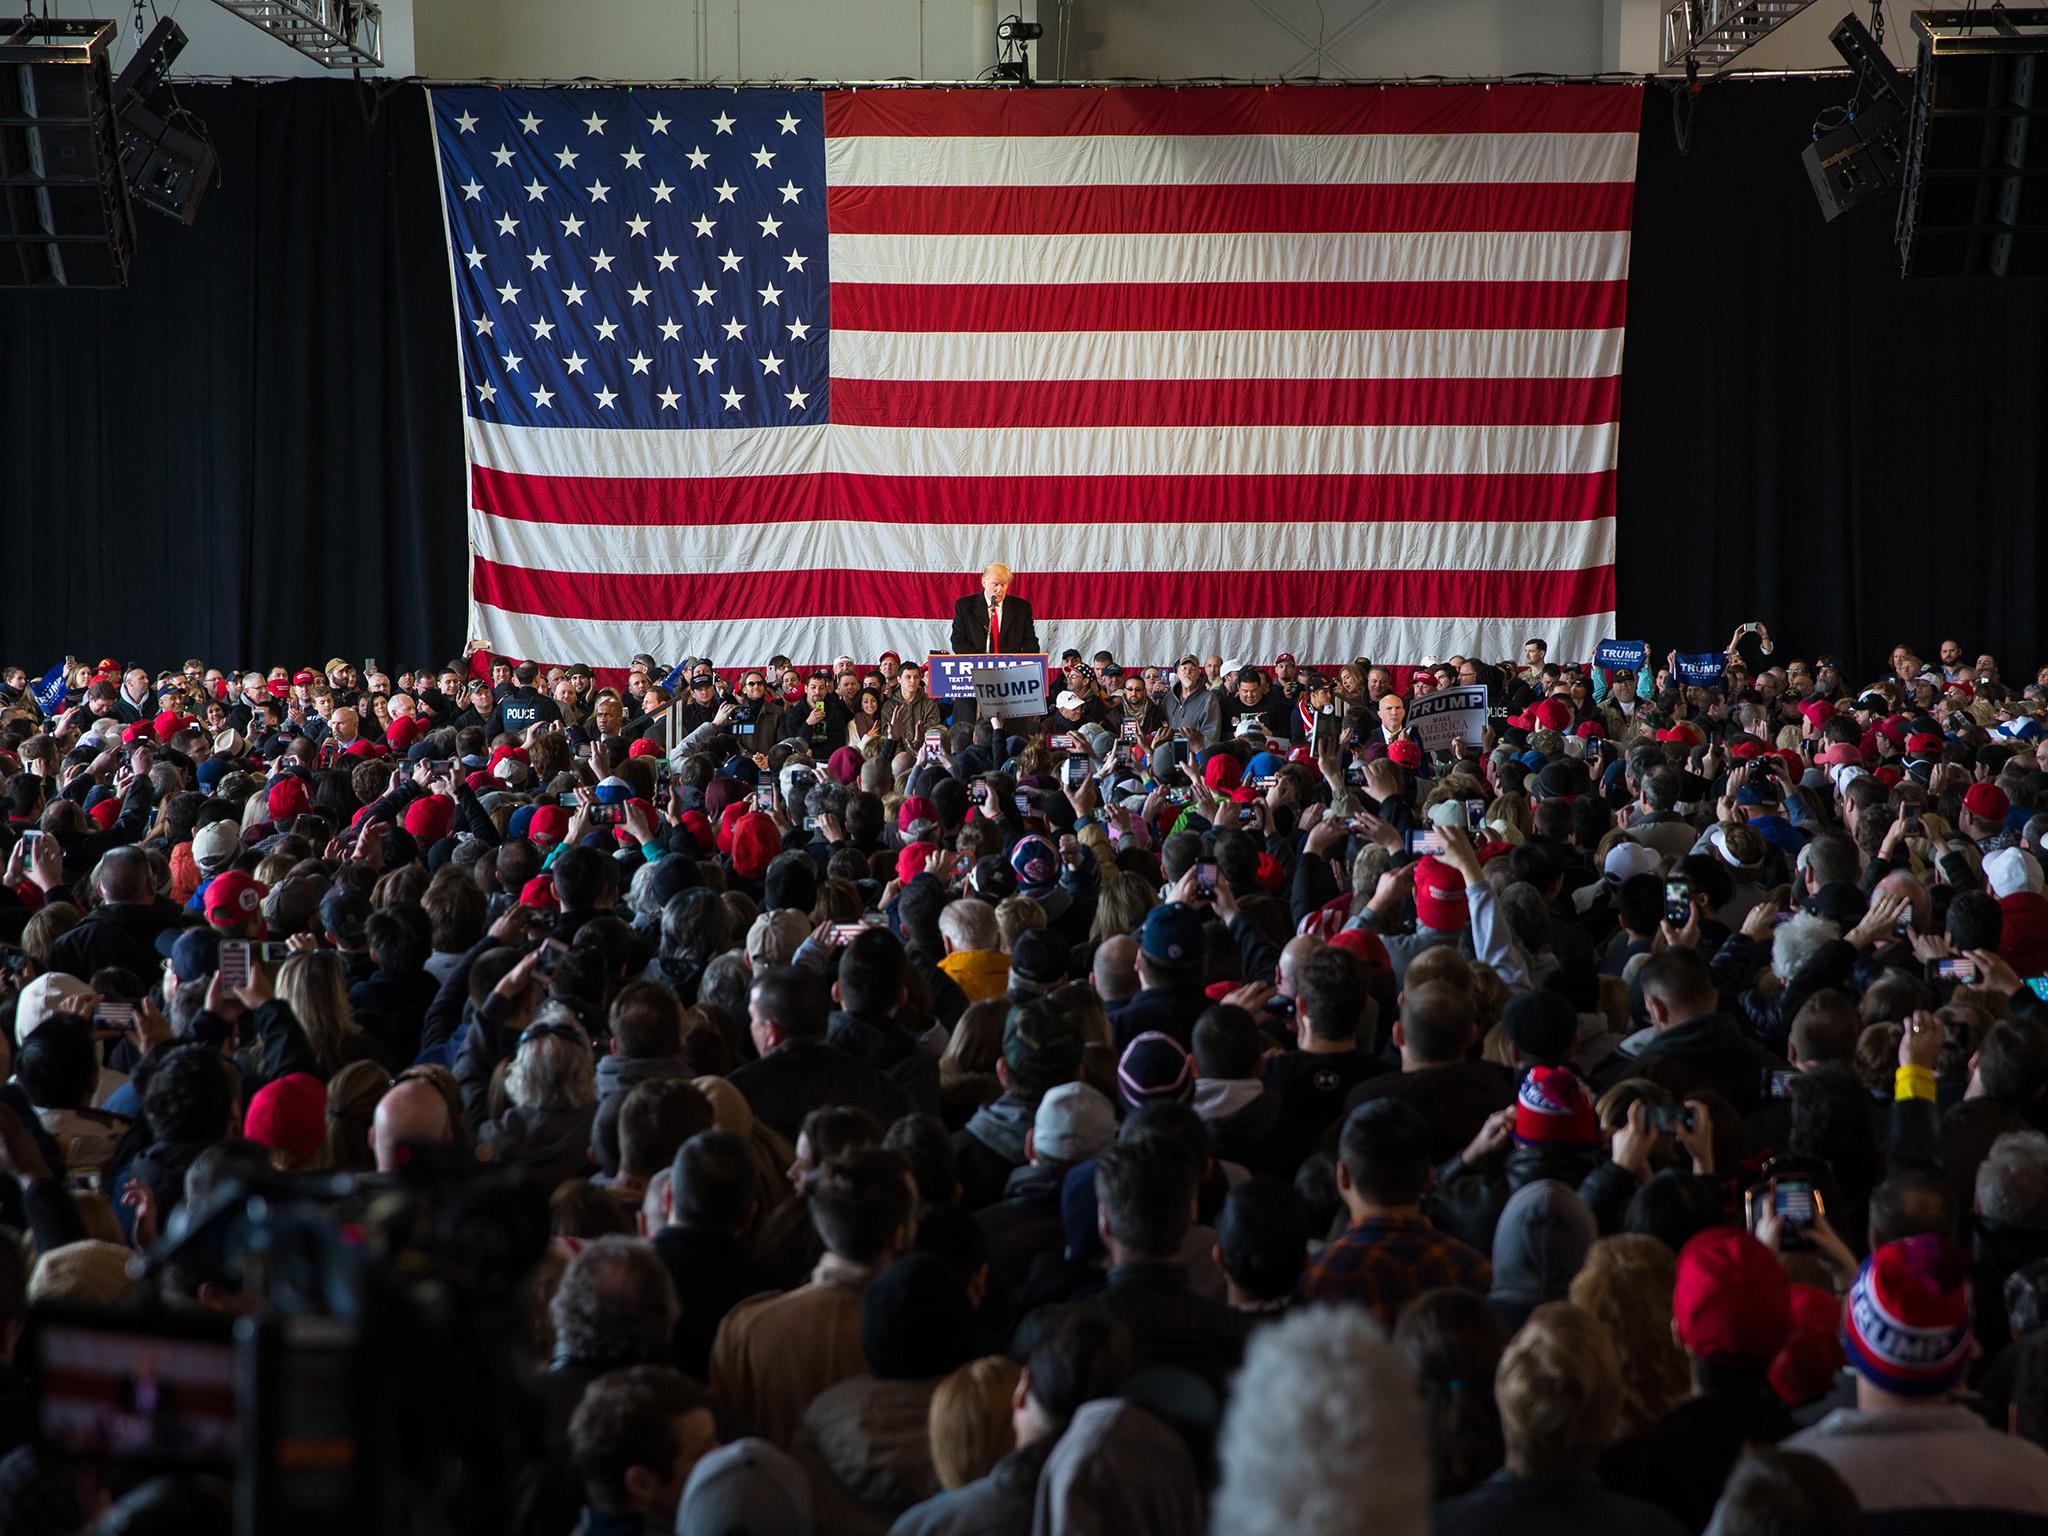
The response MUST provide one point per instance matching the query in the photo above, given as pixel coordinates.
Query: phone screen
(1795, 1202)
(234, 962)
(2038, 985)
(1423, 840)
(1205, 878)
(1475, 814)
(1955, 970)
(764, 799)
(1677, 902)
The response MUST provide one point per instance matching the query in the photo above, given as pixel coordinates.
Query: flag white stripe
(1050, 355)
(1580, 256)
(739, 642)
(632, 550)
(1115, 160)
(1073, 451)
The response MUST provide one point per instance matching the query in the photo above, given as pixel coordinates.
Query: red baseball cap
(540, 891)
(550, 823)
(232, 896)
(1406, 754)
(1733, 1300)
(1987, 802)
(1439, 895)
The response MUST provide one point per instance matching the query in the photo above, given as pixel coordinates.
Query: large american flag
(1327, 370)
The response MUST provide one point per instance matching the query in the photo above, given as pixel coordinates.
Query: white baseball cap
(1068, 699)
(2012, 872)
(1629, 858)
(1232, 666)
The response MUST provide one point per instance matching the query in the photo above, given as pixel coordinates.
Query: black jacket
(891, 1050)
(1167, 1010)
(1680, 1462)
(1455, 1098)
(1706, 1052)
(1506, 1505)
(393, 1008)
(713, 1273)
(122, 936)
(970, 627)
(804, 1075)
(1171, 1325)
(1467, 1202)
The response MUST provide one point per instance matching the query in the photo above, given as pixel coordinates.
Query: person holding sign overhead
(993, 621)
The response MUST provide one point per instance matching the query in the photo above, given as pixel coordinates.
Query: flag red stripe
(741, 500)
(1391, 208)
(1235, 109)
(1224, 402)
(1164, 595)
(1413, 306)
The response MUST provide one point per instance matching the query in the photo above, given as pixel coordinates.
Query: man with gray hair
(1324, 1422)
(2010, 1228)
(615, 1307)
(974, 949)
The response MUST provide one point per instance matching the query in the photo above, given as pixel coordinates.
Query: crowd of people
(1212, 1106)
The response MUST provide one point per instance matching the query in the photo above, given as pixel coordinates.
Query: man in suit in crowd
(993, 621)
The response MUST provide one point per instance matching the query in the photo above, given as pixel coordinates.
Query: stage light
(64, 215)
(1012, 30)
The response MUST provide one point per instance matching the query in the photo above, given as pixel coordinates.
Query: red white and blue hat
(1552, 1108)
(1907, 1326)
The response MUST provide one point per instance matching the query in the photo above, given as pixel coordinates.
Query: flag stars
(606, 329)
(475, 257)
(770, 226)
(638, 294)
(603, 261)
(668, 399)
(512, 360)
(507, 225)
(723, 123)
(665, 259)
(771, 364)
(574, 362)
(637, 226)
(565, 157)
(530, 123)
(670, 330)
(705, 293)
(764, 157)
(466, 123)
(790, 191)
(538, 258)
(733, 399)
(734, 329)
(605, 397)
(594, 124)
(798, 399)
(725, 190)
(597, 191)
(509, 294)
(705, 362)
(787, 122)
(730, 260)
(487, 393)
(632, 159)
(572, 226)
(697, 157)
(573, 295)
(703, 225)
(795, 261)
(543, 397)
(657, 124)
(799, 330)
(640, 361)
(473, 191)
(484, 326)
(502, 155)
(543, 330)
(770, 295)
(536, 190)
(662, 191)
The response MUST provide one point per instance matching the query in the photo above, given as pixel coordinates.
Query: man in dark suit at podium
(993, 621)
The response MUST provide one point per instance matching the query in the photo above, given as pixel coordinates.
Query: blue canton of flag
(49, 690)
(638, 258)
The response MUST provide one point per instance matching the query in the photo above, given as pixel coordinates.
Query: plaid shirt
(1383, 1263)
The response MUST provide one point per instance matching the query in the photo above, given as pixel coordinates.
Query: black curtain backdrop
(1807, 439)
(254, 453)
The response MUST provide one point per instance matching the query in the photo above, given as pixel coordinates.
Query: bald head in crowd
(413, 1114)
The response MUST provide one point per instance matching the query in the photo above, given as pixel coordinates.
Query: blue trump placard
(1619, 655)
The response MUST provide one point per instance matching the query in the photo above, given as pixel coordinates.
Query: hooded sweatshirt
(1541, 1242)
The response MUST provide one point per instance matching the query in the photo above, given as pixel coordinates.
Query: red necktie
(995, 627)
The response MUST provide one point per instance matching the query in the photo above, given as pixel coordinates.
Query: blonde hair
(969, 1423)
(1559, 1391)
(1626, 1285)
(1440, 962)
(1016, 915)
(315, 988)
